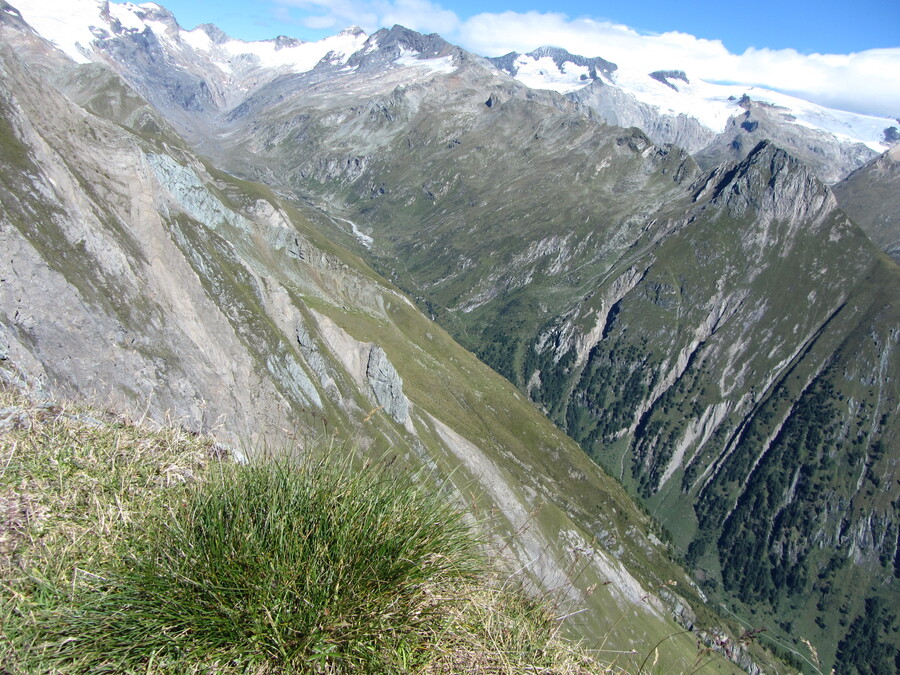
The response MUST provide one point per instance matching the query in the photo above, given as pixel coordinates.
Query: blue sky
(838, 53)
(824, 26)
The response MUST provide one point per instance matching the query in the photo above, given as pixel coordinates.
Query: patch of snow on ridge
(200, 41)
(65, 23)
(126, 16)
(410, 58)
(543, 73)
(73, 25)
(302, 57)
(713, 104)
(197, 39)
(847, 126)
(709, 103)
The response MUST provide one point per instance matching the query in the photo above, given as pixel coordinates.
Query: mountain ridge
(681, 117)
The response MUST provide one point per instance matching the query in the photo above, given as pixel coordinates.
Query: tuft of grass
(74, 483)
(131, 549)
(501, 629)
(294, 566)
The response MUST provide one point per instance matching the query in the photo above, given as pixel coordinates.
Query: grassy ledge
(125, 548)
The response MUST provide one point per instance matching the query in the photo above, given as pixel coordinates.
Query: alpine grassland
(126, 548)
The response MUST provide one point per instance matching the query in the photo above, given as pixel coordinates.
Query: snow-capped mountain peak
(294, 55)
(674, 92)
(554, 68)
(67, 24)
(78, 27)
(206, 67)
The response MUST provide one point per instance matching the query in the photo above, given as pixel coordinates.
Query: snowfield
(712, 104)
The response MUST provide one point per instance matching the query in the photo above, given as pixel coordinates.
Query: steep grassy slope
(374, 570)
(752, 404)
(145, 279)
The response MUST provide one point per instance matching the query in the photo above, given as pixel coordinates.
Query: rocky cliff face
(140, 277)
(387, 385)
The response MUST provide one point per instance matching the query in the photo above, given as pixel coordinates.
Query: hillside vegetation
(130, 549)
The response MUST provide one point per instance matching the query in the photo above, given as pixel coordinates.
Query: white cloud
(420, 15)
(865, 82)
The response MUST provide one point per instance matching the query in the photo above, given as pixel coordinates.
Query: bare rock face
(830, 158)
(620, 108)
(870, 196)
(315, 360)
(387, 385)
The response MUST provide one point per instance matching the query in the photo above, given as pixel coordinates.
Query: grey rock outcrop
(665, 77)
(830, 158)
(315, 360)
(620, 108)
(192, 195)
(387, 385)
(596, 66)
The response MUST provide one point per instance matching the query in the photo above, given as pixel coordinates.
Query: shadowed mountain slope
(871, 196)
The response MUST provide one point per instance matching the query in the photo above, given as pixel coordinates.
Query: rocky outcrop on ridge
(387, 385)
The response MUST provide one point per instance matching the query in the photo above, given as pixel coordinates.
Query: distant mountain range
(674, 93)
(670, 106)
(691, 280)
